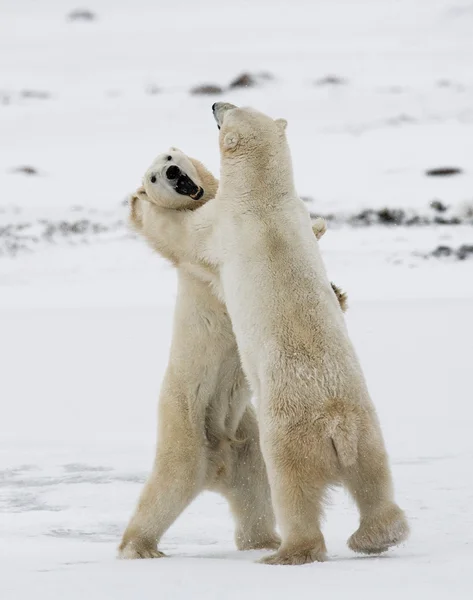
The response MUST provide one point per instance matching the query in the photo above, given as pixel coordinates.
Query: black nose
(173, 172)
(153, 179)
(213, 106)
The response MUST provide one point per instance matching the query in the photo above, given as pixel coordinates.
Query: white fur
(208, 435)
(318, 424)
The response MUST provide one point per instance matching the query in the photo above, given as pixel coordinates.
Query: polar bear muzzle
(219, 109)
(183, 184)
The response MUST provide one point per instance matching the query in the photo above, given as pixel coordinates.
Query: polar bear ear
(230, 141)
(174, 149)
(281, 123)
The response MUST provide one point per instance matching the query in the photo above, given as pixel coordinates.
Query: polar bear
(208, 436)
(317, 422)
(318, 425)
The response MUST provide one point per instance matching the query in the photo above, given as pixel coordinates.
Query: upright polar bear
(318, 425)
(208, 435)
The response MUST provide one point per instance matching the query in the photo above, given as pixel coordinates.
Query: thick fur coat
(318, 425)
(208, 434)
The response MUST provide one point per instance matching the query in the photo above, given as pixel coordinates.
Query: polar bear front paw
(297, 555)
(139, 548)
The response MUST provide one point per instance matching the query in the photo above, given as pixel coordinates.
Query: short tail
(343, 425)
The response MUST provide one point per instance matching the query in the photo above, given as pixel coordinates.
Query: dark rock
(206, 90)
(438, 205)
(443, 172)
(447, 221)
(245, 80)
(441, 251)
(465, 251)
(391, 216)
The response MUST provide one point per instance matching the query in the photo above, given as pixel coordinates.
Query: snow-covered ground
(85, 308)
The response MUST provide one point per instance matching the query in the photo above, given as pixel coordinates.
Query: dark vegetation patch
(245, 80)
(438, 215)
(84, 225)
(242, 81)
(206, 89)
(16, 238)
(443, 172)
(461, 253)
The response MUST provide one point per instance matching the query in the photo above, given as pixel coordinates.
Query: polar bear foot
(269, 542)
(139, 548)
(380, 532)
(296, 556)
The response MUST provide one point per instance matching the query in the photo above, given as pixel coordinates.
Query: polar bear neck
(260, 179)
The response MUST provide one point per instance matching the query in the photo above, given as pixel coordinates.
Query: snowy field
(377, 93)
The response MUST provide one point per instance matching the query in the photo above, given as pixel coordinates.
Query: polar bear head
(174, 180)
(245, 131)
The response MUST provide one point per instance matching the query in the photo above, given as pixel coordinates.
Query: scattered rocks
(443, 172)
(397, 217)
(448, 221)
(81, 14)
(461, 253)
(383, 216)
(208, 89)
(244, 80)
(26, 236)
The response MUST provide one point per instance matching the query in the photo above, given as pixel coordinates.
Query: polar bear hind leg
(246, 487)
(178, 476)
(382, 523)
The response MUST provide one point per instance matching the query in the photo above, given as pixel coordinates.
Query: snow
(85, 320)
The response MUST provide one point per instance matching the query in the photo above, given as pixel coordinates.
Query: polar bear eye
(169, 157)
(153, 178)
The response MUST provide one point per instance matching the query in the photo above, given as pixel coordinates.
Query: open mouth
(183, 184)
